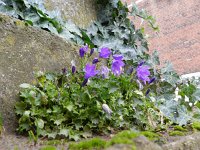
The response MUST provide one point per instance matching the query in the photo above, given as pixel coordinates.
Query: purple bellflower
(90, 71)
(105, 71)
(105, 52)
(143, 73)
(117, 67)
(83, 50)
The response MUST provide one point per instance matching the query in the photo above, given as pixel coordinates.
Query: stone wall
(81, 12)
(179, 38)
(24, 50)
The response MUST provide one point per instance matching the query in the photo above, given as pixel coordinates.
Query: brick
(179, 38)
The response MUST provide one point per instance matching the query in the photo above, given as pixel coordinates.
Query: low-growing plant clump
(101, 97)
(120, 89)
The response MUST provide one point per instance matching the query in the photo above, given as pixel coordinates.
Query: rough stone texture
(179, 38)
(142, 143)
(81, 12)
(24, 50)
(190, 142)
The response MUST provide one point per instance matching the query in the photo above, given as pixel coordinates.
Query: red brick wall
(179, 38)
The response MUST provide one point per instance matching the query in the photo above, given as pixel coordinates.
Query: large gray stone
(24, 50)
(81, 12)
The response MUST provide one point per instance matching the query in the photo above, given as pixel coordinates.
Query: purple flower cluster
(117, 65)
(105, 52)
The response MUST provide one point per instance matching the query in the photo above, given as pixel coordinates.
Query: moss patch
(48, 148)
(176, 133)
(179, 128)
(95, 143)
(196, 125)
(55, 142)
(150, 135)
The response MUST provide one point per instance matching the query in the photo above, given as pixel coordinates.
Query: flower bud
(64, 70)
(84, 82)
(73, 69)
(107, 109)
(147, 92)
(152, 80)
(92, 51)
(95, 60)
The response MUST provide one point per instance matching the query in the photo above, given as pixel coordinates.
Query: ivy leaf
(39, 123)
(64, 132)
(196, 94)
(20, 107)
(70, 26)
(92, 29)
(25, 86)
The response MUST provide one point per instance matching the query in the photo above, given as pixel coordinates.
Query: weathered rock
(142, 143)
(120, 147)
(24, 50)
(190, 142)
(81, 12)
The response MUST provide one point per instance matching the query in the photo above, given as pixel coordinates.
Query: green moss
(124, 137)
(196, 125)
(150, 135)
(48, 148)
(95, 143)
(179, 128)
(176, 133)
(55, 142)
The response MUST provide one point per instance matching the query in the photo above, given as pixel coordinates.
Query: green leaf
(64, 132)
(71, 27)
(39, 123)
(25, 86)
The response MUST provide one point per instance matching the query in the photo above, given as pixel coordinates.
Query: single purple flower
(143, 73)
(73, 69)
(152, 80)
(117, 67)
(105, 52)
(147, 92)
(90, 71)
(95, 60)
(105, 71)
(84, 82)
(92, 51)
(118, 57)
(83, 50)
